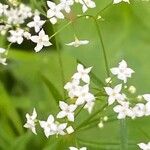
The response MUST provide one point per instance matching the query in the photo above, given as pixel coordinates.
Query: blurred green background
(126, 34)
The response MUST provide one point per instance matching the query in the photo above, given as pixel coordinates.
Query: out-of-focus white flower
(2, 56)
(139, 110)
(84, 96)
(65, 4)
(78, 42)
(67, 111)
(72, 88)
(3, 9)
(37, 23)
(31, 120)
(47, 126)
(147, 97)
(144, 146)
(89, 106)
(74, 148)
(114, 94)
(42, 40)
(16, 36)
(87, 4)
(82, 73)
(147, 107)
(122, 71)
(123, 110)
(54, 12)
(118, 1)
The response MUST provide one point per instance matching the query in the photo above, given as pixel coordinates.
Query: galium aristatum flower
(78, 42)
(37, 23)
(66, 5)
(16, 36)
(54, 12)
(31, 121)
(42, 40)
(144, 146)
(114, 94)
(66, 111)
(83, 74)
(118, 1)
(87, 4)
(122, 71)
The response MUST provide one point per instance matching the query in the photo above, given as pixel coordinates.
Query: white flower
(87, 4)
(2, 51)
(122, 71)
(74, 148)
(67, 111)
(3, 9)
(31, 120)
(59, 128)
(84, 96)
(82, 73)
(54, 12)
(146, 97)
(42, 40)
(89, 106)
(65, 4)
(144, 146)
(118, 1)
(72, 88)
(78, 42)
(16, 36)
(114, 94)
(139, 110)
(37, 23)
(47, 126)
(147, 109)
(123, 110)
(3, 61)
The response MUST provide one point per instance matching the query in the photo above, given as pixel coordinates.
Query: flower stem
(61, 65)
(123, 135)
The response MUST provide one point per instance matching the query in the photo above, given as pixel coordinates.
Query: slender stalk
(123, 135)
(60, 64)
(91, 117)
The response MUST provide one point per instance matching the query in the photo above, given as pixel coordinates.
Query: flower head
(66, 111)
(122, 71)
(42, 40)
(78, 42)
(144, 146)
(31, 120)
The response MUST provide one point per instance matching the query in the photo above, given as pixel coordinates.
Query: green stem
(123, 135)
(61, 65)
(91, 117)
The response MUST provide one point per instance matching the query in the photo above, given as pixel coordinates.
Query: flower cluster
(51, 126)
(124, 105)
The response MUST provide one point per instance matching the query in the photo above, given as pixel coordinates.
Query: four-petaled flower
(67, 111)
(54, 12)
(122, 71)
(65, 4)
(82, 73)
(42, 40)
(31, 120)
(114, 94)
(37, 23)
(78, 42)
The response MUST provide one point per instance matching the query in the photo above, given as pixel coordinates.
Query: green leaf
(53, 90)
